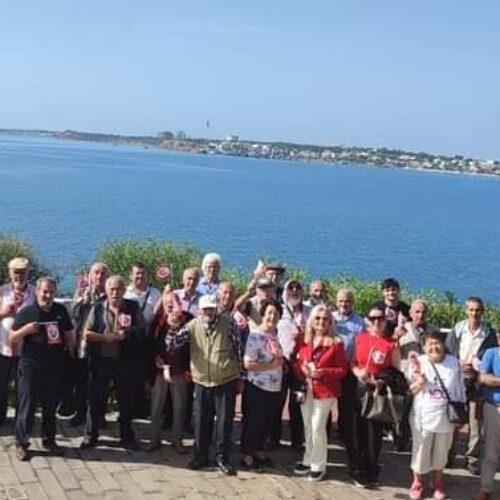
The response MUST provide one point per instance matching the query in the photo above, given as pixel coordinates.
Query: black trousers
(363, 438)
(81, 385)
(259, 408)
(289, 385)
(38, 384)
(101, 372)
(8, 372)
(210, 402)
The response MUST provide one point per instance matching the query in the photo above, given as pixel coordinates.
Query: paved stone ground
(109, 472)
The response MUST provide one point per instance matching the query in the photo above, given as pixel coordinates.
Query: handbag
(381, 406)
(455, 410)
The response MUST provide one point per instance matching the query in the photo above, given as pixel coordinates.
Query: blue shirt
(205, 288)
(491, 364)
(348, 328)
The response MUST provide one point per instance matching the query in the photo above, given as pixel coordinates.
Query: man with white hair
(14, 296)
(210, 282)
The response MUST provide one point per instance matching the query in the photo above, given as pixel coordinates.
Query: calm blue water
(429, 230)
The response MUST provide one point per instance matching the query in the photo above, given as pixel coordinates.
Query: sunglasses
(376, 318)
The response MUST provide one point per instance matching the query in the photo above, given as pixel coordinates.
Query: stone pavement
(110, 472)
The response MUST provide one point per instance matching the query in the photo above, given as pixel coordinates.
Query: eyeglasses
(295, 287)
(376, 318)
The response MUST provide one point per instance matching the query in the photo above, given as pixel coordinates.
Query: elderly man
(412, 339)
(348, 325)
(215, 367)
(115, 334)
(44, 328)
(250, 302)
(468, 341)
(13, 297)
(84, 300)
(210, 282)
(188, 295)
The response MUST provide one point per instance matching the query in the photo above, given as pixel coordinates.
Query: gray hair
(119, 279)
(209, 258)
(48, 280)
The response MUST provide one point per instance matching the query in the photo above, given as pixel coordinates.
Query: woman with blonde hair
(320, 364)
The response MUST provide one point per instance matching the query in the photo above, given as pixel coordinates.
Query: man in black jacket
(116, 336)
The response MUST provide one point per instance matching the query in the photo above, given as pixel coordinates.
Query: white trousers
(429, 450)
(314, 414)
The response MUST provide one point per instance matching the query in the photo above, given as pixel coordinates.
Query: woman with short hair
(263, 360)
(433, 376)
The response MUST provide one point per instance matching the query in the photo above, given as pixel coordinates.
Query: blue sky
(413, 75)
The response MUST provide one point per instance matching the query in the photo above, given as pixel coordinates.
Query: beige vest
(213, 358)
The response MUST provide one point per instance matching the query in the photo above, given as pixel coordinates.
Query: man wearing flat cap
(14, 296)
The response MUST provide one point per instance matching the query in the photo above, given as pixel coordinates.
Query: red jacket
(329, 358)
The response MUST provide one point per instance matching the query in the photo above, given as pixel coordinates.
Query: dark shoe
(301, 470)
(22, 453)
(129, 444)
(77, 420)
(88, 442)
(198, 463)
(316, 475)
(179, 447)
(359, 479)
(66, 410)
(474, 468)
(53, 448)
(373, 483)
(225, 467)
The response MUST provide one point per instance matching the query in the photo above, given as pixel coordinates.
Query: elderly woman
(374, 351)
(321, 364)
(210, 282)
(169, 370)
(261, 399)
(431, 375)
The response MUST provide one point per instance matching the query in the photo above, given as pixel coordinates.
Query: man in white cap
(13, 297)
(215, 368)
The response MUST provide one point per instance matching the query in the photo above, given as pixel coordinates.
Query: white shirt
(146, 299)
(7, 296)
(470, 342)
(429, 411)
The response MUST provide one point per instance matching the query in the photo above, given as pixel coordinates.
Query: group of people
(274, 345)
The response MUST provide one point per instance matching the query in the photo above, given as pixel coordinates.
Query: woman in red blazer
(320, 364)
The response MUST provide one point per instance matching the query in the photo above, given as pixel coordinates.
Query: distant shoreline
(303, 153)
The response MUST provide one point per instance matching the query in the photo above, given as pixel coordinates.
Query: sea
(428, 230)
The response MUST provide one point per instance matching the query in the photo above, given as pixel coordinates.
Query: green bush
(120, 255)
(445, 309)
(14, 246)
